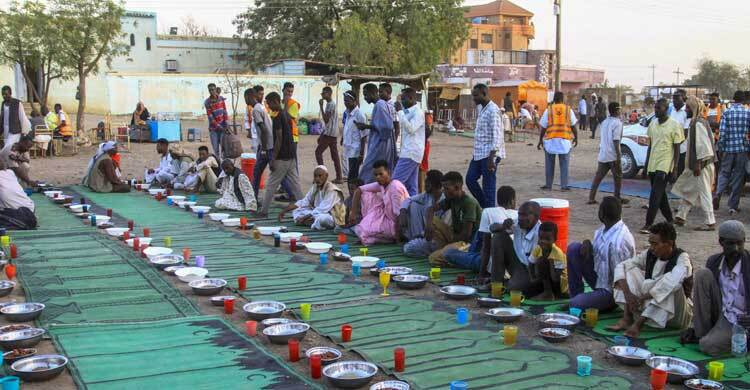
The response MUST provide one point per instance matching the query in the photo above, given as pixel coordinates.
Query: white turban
(322, 167)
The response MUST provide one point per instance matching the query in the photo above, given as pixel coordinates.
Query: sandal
(644, 230)
(705, 228)
(679, 221)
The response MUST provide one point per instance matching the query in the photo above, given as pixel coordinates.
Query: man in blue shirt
(732, 149)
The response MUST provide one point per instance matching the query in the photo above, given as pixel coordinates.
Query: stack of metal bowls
(207, 287)
(260, 310)
(350, 374)
(282, 333)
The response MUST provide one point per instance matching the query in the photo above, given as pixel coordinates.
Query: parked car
(634, 147)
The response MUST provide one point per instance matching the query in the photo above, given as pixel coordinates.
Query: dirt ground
(523, 169)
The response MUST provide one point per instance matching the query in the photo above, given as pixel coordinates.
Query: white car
(634, 147)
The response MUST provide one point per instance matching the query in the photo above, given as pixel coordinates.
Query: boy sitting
(549, 264)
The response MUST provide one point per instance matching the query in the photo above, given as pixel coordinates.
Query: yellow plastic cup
(363, 251)
(591, 316)
(168, 242)
(509, 334)
(435, 274)
(498, 289)
(516, 298)
(715, 370)
(305, 309)
(4, 240)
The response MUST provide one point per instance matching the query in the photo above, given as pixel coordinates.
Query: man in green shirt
(455, 219)
(665, 136)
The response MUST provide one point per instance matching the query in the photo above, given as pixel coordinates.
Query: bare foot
(620, 325)
(545, 296)
(633, 332)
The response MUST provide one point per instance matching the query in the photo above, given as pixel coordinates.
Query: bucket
(247, 164)
(556, 211)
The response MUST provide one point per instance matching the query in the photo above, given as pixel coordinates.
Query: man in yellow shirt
(665, 136)
(292, 107)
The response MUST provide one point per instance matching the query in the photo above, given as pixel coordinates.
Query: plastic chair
(194, 134)
(122, 136)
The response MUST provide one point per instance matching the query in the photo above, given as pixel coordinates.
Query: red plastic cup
(143, 250)
(136, 244)
(242, 282)
(346, 333)
(315, 366)
(10, 271)
(13, 251)
(251, 327)
(399, 357)
(186, 254)
(293, 245)
(228, 306)
(146, 232)
(243, 223)
(658, 379)
(126, 235)
(130, 225)
(342, 238)
(109, 213)
(55, 195)
(293, 350)
(461, 279)
(169, 192)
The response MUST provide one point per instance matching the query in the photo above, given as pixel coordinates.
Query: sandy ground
(523, 169)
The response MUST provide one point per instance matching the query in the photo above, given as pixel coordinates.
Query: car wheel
(627, 161)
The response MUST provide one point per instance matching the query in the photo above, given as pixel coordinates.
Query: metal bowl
(207, 286)
(219, 299)
(350, 374)
(39, 368)
(505, 314)
(282, 333)
(703, 384)
(554, 335)
(14, 327)
(629, 356)
(24, 338)
(458, 292)
(341, 256)
(163, 261)
(6, 286)
(322, 350)
(27, 352)
(275, 321)
(410, 282)
(22, 312)
(390, 385)
(396, 271)
(558, 320)
(489, 302)
(172, 269)
(678, 370)
(262, 310)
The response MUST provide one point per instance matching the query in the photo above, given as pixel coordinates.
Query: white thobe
(162, 174)
(318, 203)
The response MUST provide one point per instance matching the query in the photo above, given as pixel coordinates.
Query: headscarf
(236, 176)
(177, 150)
(104, 147)
(698, 108)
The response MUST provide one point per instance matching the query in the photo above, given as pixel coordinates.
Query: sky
(623, 37)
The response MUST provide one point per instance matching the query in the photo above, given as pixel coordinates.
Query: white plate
(189, 274)
(200, 209)
(145, 187)
(155, 191)
(141, 240)
(184, 204)
(231, 222)
(365, 261)
(116, 232)
(100, 219)
(219, 216)
(269, 230)
(77, 208)
(176, 198)
(285, 237)
(51, 194)
(154, 251)
(318, 247)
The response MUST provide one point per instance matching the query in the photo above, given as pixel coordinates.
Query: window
(473, 44)
(132, 39)
(486, 38)
(148, 43)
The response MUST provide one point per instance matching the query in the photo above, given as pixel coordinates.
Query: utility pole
(678, 73)
(653, 74)
(558, 45)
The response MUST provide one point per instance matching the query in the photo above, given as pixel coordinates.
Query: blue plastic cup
(462, 315)
(193, 198)
(85, 208)
(323, 258)
(459, 385)
(93, 220)
(200, 215)
(170, 202)
(10, 383)
(345, 248)
(356, 270)
(200, 261)
(584, 365)
(574, 311)
(28, 191)
(621, 340)
(380, 264)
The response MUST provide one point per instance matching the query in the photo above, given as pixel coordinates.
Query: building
(497, 50)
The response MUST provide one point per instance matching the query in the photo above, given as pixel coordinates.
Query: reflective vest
(558, 119)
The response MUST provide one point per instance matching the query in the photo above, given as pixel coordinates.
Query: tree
(30, 39)
(191, 28)
(236, 87)
(723, 77)
(405, 36)
(89, 35)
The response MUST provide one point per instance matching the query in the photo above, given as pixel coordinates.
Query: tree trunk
(80, 117)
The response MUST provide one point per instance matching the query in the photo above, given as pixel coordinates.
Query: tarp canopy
(450, 93)
(417, 81)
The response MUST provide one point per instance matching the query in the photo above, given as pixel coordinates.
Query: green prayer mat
(185, 353)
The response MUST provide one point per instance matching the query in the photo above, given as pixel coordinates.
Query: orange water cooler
(556, 211)
(247, 163)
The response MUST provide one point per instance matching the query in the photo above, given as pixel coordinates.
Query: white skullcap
(322, 167)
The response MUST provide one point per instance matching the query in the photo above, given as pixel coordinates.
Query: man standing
(679, 114)
(13, 118)
(489, 148)
(666, 135)
(292, 108)
(713, 114)
(216, 112)
(583, 112)
(381, 142)
(353, 139)
(609, 153)
(411, 118)
(283, 163)
(508, 105)
(558, 135)
(264, 128)
(733, 148)
(591, 110)
(329, 137)
(601, 114)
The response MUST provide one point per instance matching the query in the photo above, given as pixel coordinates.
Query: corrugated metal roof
(499, 7)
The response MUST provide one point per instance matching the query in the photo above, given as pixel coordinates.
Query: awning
(450, 93)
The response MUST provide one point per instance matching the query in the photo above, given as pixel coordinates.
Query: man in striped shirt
(489, 148)
(732, 149)
(216, 112)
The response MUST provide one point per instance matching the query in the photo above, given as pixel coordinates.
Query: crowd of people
(466, 222)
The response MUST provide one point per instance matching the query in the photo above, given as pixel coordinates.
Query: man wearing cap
(720, 293)
(323, 206)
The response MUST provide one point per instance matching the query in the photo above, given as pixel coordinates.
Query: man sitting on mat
(236, 191)
(102, 175)
(163, 174)
(202, 176)
(322, 207)
(413, 215)
(653, 287)
(16, 208)
(548, 264)
(595, 261)
(721, 293)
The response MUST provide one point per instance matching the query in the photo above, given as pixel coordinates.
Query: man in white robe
(163, 174)
(322, 207)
